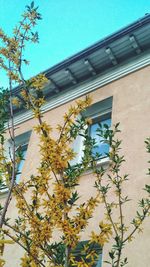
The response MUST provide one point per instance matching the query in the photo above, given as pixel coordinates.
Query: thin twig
(27, 250)
(3, 214)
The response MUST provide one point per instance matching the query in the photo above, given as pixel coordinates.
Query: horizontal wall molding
(89, 86)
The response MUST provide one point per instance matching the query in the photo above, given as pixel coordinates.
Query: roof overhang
(127, 44)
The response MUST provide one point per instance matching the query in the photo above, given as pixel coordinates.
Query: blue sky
(68, 26)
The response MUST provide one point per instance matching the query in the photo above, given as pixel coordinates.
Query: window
(100, 112)
(79, 253)
(21, 142)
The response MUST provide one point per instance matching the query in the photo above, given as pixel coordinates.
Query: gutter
(104, 42)
(86, 52)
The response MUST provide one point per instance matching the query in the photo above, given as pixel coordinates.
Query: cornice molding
(89, 86)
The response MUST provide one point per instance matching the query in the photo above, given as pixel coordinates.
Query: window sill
(104, 162)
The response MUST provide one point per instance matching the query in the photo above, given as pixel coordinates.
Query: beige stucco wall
(131, 107)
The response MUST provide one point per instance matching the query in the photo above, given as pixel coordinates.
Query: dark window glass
(79, 253)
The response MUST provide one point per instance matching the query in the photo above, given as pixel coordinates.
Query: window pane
(101, 148)
(80, 254)
(21, 163)
(99, 262)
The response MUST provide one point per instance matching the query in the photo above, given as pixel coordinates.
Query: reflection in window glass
(21, 163)
(99, 262)
(101, 147)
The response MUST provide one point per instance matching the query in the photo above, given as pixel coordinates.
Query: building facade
(115, 72)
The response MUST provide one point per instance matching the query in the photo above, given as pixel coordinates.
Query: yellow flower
(26, 27)
(16, 102)
(39, 81)
(89, 121)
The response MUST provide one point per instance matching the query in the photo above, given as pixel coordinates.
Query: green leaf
(32, 4)
(111, 254)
